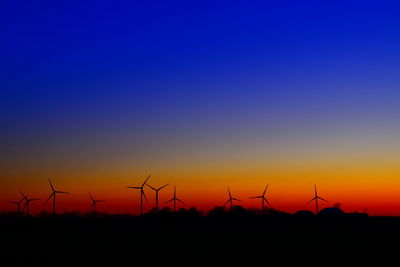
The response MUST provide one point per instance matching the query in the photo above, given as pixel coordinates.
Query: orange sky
(290, 188)
(359, 173)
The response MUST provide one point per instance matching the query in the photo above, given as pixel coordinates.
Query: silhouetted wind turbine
(142, 194)
(316, 197)
(94, 202)
(18, 203)
(156, 190)
(230, 200)
(53, 195)
(27, 201)
(263, 199)
(174, 199)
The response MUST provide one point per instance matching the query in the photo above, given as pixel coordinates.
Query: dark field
(192, 240)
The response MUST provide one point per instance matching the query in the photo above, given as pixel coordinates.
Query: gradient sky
(201, 94)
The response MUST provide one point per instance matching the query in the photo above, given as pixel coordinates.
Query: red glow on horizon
(130, 205)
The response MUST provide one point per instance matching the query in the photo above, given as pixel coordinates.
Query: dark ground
(186, 239)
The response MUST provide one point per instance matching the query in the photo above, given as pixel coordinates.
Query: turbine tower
(230, 200)
(263, 199)
(53, 195)
(156, 190)
(316, 197)
(94, 202)
(18, 203)
(174, 199)
(142, 194)
(27, 201)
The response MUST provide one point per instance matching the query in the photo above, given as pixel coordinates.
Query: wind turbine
(94, 202)
(174, 199)
(142, 194)
(53, 195)
(316, 197)
(263, 199)
(156, 190)
(18, 203)
(27, 201)
(230, 200)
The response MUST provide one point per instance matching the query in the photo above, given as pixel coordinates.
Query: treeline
(191, 217)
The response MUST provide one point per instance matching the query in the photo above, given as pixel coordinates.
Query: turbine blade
(12, 202)
(227, 202)
(34, 199)
(62, 192)
(91, 197)
(22, 194)
(145, 181)
(51, 185)
(169, 201)
(237, 199)
(133, 187)
(144, 195)
(265, 190)
(180, 201)
(51, 195)
(323, 199)
(315, 189)
(256, 197)
(266, 200)
(311, 200)
(229, 192)
(151, 187)
(163, 186)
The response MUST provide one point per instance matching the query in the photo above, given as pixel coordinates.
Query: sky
(203, 95)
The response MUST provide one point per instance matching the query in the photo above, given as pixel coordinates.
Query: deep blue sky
(168, 75)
